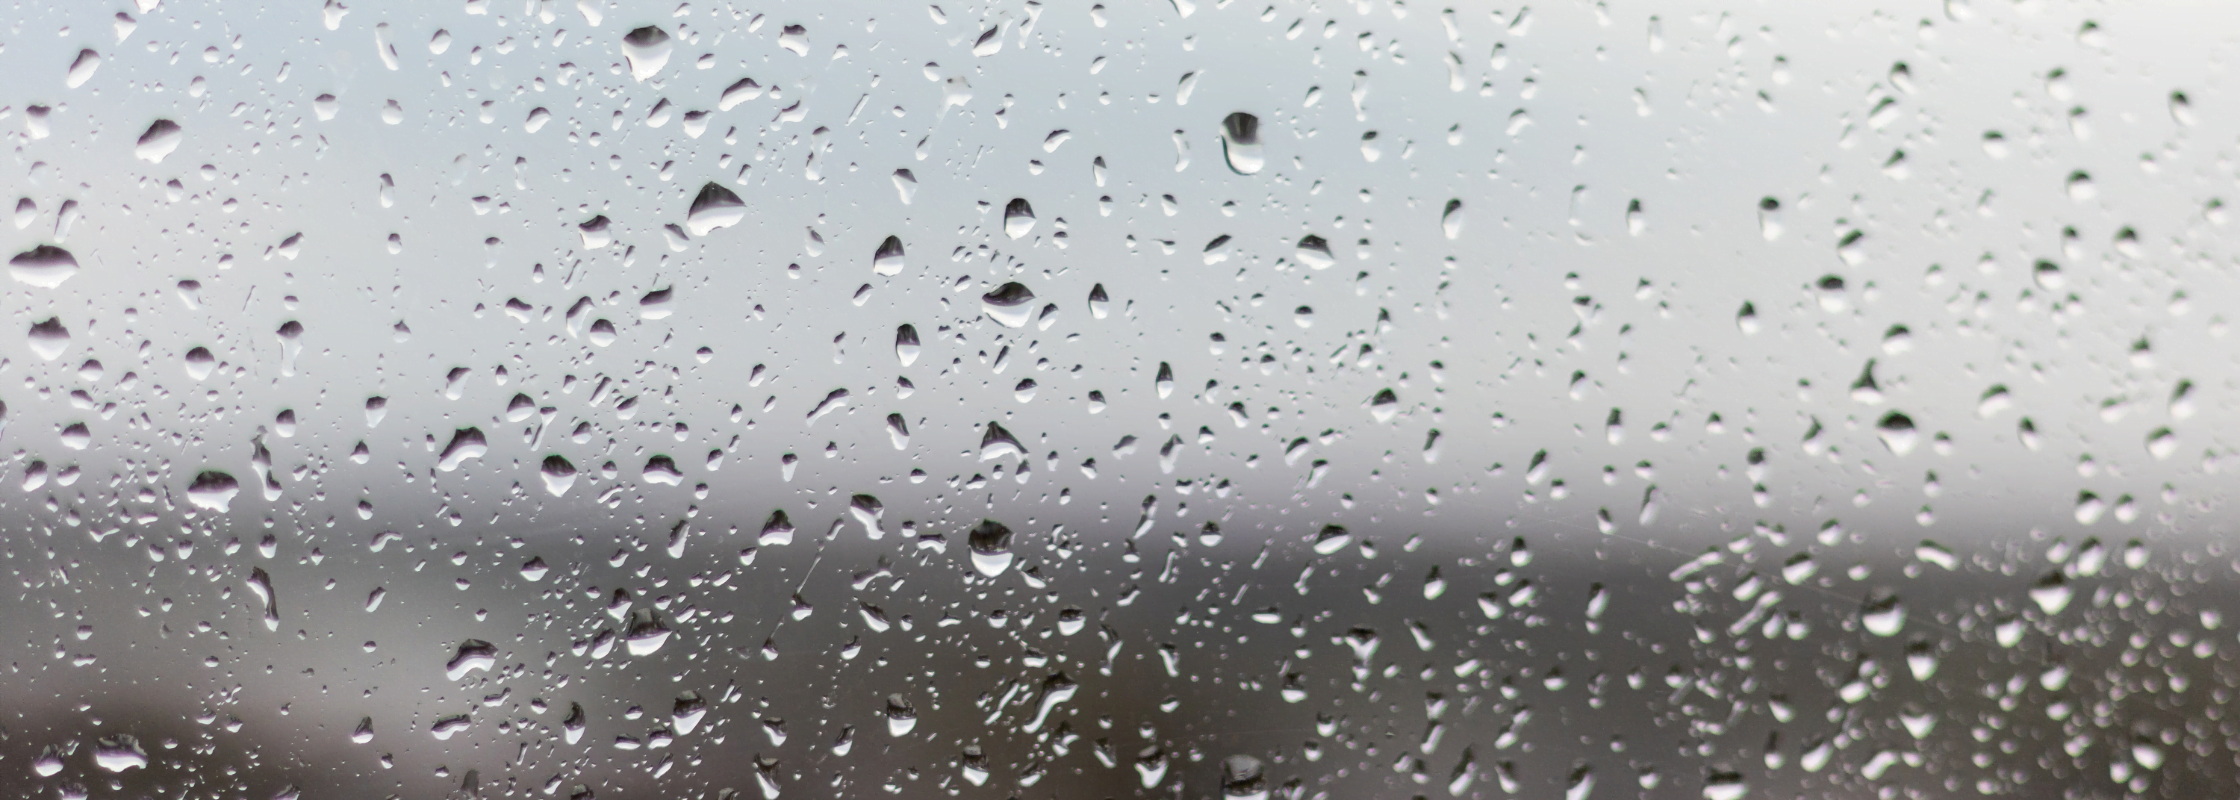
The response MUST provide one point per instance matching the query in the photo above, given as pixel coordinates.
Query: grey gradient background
(1550, 312)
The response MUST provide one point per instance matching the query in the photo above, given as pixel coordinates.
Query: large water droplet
(82, 68)
(1010, 305)
(44, 266)
(646, 633)
(473, 654)
(1240, 143)
(888, 259)
(714, 208)
(1314, 252)
(213, 490)
(647, 50)
(1331, 539)
(161, 138)
(1241, 778)
(901, 716)
(995, 442)
(1018, 218)
(991, 548)
(260, 584)
(1882, 614)
(119, 752)
(558, 475)
(465, 443)
(48, 339)
(906, 344)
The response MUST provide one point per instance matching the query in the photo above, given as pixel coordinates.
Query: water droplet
(465, 443)
(1725, 786)
(213, 490)
(48, 763)
(1314, 252)
(82, 68)
(888, 259)
(647, 51)
(44, 266)
(1882, 614)
(558, 475)
(995, 442)
(473, 654)
(1010, 305)
(260, 584)
(1384, 405)
(2051, 593)
(119, 752)
(48, 339)
(1242, 778)
(795, 40)
(1450, 220)
(572, 726)
(1331, 539)
(364, 732)
(1240, 143)
(1018, 218)
(991, 548)
(646, 632)
(1897, 432)
(713, 209)
(906, 344)
(685, 714)
(161, 138)
(901, 716)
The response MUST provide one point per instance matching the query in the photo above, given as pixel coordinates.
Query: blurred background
(1191, 399)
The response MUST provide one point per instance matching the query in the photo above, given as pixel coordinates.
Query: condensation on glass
(586, 399)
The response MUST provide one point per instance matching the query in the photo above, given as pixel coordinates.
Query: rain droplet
(1331, 539)
(1314, 252)
(465, 443)
(1385, 405)
(991, 548)
(906, 344)
(901, 716)
(647, 50)
(44, 266)
(558, 475)
(1018, 218)
(1240, 143)
(473, 654)
(161, 138)
(715, 208)
(260, 584)
(888, 259)
(213, 490)
(119, 752)
(48, 339)
(1241, 778)
(1450, 220)
(1897, 432)
(1011, 304)
(795, 40)
(82, 68)
(1882, 614)
(995, 443)
(646, 633)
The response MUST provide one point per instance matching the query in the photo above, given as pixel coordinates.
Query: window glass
(1207, 398)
